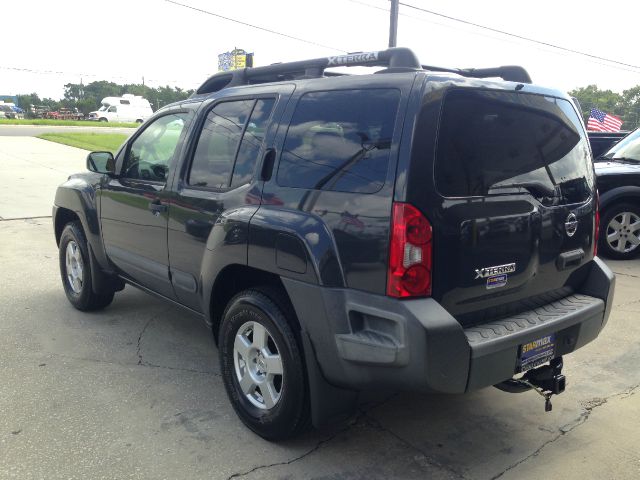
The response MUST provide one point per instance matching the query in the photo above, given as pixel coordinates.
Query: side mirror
(101, 162)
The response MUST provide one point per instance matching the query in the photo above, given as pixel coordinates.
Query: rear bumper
(364, 341)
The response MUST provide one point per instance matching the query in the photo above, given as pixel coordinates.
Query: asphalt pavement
(134, 391)
(35, 130)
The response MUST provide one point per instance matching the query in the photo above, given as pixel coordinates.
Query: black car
(417, 228)
(618, 179)
(601, 142)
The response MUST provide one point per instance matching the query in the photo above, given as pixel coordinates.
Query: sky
(48, 43)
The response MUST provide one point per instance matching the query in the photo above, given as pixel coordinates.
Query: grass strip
(66, 123)
(94, 142)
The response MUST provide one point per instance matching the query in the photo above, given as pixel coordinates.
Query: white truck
(127, 108)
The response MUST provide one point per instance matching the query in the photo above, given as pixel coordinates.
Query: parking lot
(134, 391)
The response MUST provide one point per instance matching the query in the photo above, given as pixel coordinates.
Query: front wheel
(620, 231)
(262, 366)
(75, 270)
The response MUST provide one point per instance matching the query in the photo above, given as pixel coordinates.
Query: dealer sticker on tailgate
(537, 352)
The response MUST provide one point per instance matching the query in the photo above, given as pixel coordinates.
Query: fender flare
(78, 195)
(612, 196)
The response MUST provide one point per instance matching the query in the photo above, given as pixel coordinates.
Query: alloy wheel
(75, 267)
(258, 365)
(623, 232)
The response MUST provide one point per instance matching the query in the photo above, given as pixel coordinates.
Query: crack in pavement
(588, 407)
(146, 325)
(360, 415)
(124, 364)
(627, 274)
(144, 363)
(375, 423)
(295, 459)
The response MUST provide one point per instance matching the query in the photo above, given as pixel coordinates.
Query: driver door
(134, 204)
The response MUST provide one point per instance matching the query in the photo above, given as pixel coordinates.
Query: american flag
(600, 121)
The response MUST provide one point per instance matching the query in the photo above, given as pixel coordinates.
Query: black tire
(139, 120)
(102, 119)
(615, 248)
(291, 414)
(82, 296)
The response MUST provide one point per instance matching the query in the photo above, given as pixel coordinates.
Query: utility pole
(393, 23)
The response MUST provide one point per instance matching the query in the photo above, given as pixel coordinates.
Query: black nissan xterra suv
(418, 228)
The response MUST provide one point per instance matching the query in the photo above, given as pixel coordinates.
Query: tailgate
(516, 218)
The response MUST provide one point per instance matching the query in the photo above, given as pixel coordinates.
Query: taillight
(596, 233)
(410, 253)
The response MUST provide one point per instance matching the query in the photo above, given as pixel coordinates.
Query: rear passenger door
(220, 185)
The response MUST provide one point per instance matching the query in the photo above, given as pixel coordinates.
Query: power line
(521, 37)
(546, 49)
(81, 74)
(257, 27)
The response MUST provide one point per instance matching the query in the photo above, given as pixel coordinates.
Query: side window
(252, 141)
(113, 109)
(340, 140)
(218, 143)
(149, 154)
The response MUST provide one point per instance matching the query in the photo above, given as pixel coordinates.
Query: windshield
(628, 148)
(103, 107)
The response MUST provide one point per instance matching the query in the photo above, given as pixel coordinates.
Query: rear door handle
(157, 207)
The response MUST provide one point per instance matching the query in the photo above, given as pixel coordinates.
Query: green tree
(631, 101)
(592, 97)
(25, 101)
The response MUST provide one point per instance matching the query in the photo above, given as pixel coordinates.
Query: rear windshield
(494, 142)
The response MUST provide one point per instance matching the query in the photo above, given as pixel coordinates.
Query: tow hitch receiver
(546, 380)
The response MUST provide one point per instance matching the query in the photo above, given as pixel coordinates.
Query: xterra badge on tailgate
(497, 270)
(496, 276)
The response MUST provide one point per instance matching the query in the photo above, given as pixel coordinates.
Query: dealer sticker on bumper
(537, 352)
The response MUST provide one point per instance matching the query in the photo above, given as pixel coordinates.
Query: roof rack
(510, 73)
(396, 59)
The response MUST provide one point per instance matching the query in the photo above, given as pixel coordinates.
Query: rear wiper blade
(533, 187)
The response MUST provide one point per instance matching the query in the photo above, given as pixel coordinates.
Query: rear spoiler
(510, 73)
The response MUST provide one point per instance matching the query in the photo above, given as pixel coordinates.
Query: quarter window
(340, 140)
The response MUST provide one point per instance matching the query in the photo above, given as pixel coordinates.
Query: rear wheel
(620, 231)
(262, 366)
(75, 270)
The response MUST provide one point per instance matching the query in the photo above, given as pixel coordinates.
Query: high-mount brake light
(596, 233)
(410, 253)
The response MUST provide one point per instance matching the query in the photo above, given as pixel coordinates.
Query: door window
(150, 153)
(113, 109)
